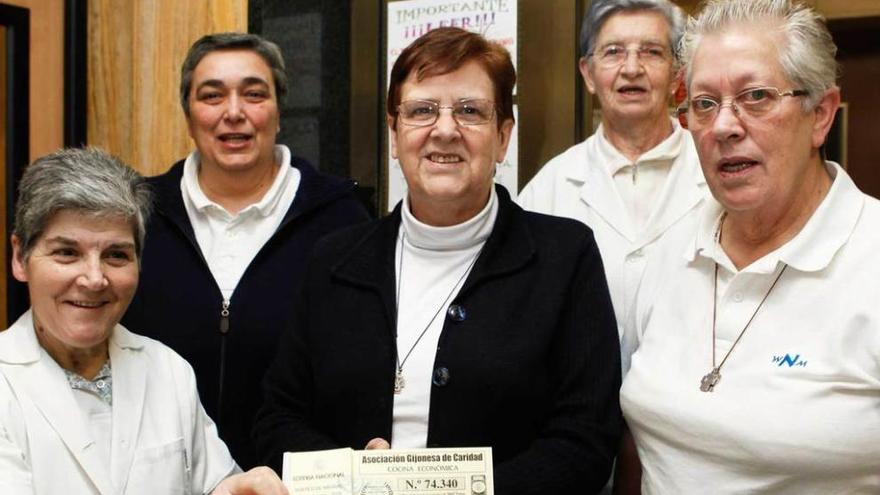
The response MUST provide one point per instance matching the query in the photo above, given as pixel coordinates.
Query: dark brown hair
(445, 50)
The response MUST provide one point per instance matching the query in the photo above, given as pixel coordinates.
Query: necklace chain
(711, 379)
(399, 381)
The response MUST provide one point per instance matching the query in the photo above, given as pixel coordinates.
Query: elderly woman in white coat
(86, 406)
(636, 181)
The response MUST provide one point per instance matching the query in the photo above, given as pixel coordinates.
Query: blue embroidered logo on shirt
(790, 360)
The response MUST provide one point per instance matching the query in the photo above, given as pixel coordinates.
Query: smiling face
(81, 274)
(633, 91)
(768, 164)
(449, 167)
(233, 111)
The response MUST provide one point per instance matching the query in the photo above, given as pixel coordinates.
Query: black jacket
(532, 370)
(179, 303)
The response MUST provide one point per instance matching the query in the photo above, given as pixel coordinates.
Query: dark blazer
(178, 302)
(528, 359)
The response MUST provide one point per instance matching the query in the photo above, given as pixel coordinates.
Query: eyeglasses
(613, 55)
(420, 113)
(750, 102)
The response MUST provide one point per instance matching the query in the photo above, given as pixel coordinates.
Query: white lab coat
(576, 184)
(162, 440)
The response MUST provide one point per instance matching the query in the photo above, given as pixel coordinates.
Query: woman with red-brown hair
(460, 319)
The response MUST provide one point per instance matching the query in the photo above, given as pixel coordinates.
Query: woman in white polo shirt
(757, 368)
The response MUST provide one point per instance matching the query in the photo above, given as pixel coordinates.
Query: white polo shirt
(230, 242)
(797, 409)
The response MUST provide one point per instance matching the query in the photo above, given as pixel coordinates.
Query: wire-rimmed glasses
(471, 111)
(750, 102)
(614, 55)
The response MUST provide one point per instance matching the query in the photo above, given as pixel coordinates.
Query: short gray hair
(268, 51)
(806, 50)
(601, 10)
(88, 181)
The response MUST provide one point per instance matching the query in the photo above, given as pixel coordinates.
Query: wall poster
(409, 19)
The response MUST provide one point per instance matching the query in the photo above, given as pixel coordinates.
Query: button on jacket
(531, 368)
(179, 303)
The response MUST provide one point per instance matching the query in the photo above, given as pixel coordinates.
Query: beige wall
(135, 49)
(549, 86)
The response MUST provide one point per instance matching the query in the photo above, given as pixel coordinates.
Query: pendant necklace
(711, 379)
(399, 382)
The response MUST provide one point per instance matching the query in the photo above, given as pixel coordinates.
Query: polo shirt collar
(193, 191)
(813, 248)
(829, 228)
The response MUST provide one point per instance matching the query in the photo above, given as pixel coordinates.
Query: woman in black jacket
(226, 249)
(460, 319)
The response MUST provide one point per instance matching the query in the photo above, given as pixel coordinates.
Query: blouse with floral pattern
(102, 385)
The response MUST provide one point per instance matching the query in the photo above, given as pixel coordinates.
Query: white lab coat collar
(684, 188)
(22, 356)
(668, 149)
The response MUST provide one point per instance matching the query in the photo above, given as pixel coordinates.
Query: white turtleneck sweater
(430, 273)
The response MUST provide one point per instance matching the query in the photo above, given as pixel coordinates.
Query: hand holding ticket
(454, 471)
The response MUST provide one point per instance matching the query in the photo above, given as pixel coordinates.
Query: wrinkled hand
(258, 481)
(378, 444)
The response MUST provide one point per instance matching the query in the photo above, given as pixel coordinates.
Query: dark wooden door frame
(17, 23)
(75, 71)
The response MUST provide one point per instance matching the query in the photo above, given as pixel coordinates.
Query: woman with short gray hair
(86, 406)
(636, 181)
(601, 11)
(766, 380)
(88, 181)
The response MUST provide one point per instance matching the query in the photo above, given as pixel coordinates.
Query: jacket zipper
(224, 311)
(224, 330)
